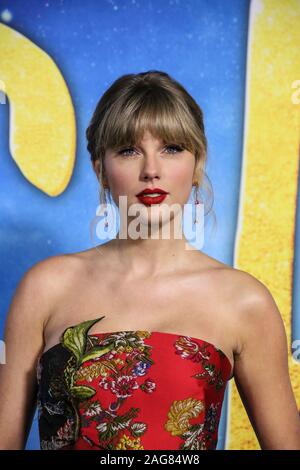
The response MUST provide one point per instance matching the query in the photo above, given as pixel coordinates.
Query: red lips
(151, 191)
(146, 198)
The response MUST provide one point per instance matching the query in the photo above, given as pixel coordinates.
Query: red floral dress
(130, 390)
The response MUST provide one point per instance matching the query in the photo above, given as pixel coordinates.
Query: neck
(157, 253)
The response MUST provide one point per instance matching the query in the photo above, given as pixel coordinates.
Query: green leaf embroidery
(74, 338)
(96, 352)
(82, 392)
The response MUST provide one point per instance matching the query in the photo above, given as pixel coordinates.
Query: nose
(150, 169)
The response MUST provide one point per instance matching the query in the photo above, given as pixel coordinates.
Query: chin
(156, 215)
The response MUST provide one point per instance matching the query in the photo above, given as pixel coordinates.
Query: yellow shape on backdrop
(42, 119)
(265, 243)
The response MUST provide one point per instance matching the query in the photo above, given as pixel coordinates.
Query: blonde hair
(151, 101)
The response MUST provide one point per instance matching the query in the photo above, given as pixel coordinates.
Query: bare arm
(23, 338)
(262, 374)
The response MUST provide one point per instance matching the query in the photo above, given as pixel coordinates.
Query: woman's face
(150, 164)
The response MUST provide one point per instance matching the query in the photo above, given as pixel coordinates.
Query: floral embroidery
(190, 349)
(180, 413)
(195, 436)
(115, 390)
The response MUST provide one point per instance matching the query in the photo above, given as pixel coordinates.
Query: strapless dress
(130, 390)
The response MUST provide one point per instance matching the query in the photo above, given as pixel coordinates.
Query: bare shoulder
(39, 289)
(252, 301)
(242, 286)
(51, 275)
(247, 303)
(33, 300)
(256, 306)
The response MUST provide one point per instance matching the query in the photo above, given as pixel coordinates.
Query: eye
(125, 150)
(178, 148)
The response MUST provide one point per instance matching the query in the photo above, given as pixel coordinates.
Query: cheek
(181, 182)
(182, 174)
(121, 179)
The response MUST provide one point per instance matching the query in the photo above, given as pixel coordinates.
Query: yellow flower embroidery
(180, 413)
(143, 334)
(126, 442)
(95, 370)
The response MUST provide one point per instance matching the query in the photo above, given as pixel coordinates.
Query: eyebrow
(158, 145)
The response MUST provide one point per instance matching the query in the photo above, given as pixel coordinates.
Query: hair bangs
(151, 111)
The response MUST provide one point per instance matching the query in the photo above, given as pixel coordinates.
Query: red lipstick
(152, 196)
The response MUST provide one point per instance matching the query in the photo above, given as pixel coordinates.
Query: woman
(130, 345)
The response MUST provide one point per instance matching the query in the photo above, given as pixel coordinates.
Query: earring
(196, 201)
(105, 212)
(106, 222)
(105, 186)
